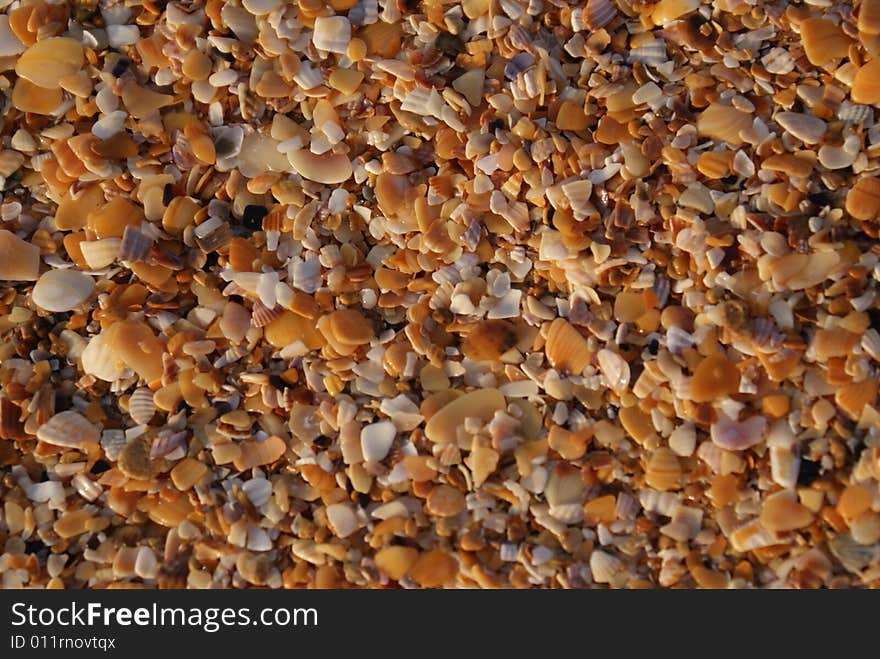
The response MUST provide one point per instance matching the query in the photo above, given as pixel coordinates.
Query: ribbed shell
(141, 406)
(69, 428)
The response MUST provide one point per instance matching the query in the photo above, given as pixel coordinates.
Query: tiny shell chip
(328, 169)
(332, 33)
(736, 435)
(19, 260)
(141, 406)
(69, 429)
(255, 453)
(376, 440)
(49, 60)
(342, 519)
(615, 369)
(62, 290)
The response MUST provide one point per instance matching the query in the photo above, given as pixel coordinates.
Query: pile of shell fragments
(420, 293)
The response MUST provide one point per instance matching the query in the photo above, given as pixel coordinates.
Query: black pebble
(653, 346)
(322, 441)
(253, 216)
(121, 67)
(99, 467)
(809, 471)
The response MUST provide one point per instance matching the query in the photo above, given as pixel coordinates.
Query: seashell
(851, 554)
(566, 348)
(565, 486)
(518, 63)
(19, 260)
(490, 339)
(607, 568)
(785, 464)
(134, 246)
(328, 168)
(750, 536)
(840, 157)
(823, 40)
(137, 347)
(49, 60)
(100, 360)
(482, 403)
(715, 377)
(255, 453)
(167, 442)
(723, 123)
(663, 471)
(262, 316)
(112, 442)
(69, 429)
(62, 290)
(100, 253)
(396, 560)
(855, 113)
(736, 435)
(27, 97)
(865, 87)
(235, 322)
(11, 426)
(365, 12)
(782, 512)
(213, 234)
(863, 199)
(141, 406)
(806, 128)
(332, 34)
(598, 14)
(376, 440)
(615, 369)
(433, 569)
(652, 53)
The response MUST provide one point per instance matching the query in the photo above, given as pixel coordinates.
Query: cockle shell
(62, 290)
(69, 429)
(141, 406)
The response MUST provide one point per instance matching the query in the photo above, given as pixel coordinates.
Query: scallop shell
(62, 290)
(100, 253)
(112, 442)
(134, 246)
(599, 13)
(141, 406)
(70, 429)
(262, 315)
(566, 348)
(99, 360)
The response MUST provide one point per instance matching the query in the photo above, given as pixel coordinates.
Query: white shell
(141, 406)
(62, 290)
(70, 429)
(99, 360)
(332, 33)
(100, 253)
(615, 369)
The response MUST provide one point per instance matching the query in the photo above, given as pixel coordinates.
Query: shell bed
(428, 293)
